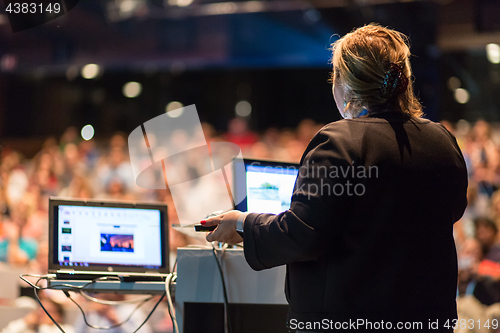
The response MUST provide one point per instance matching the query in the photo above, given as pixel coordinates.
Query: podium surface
(199, 281)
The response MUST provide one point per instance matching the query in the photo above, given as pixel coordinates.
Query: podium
(256, 299)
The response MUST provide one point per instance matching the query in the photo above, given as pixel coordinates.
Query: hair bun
(395, 82)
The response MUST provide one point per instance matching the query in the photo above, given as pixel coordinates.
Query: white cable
(222, 250)
(90, 298)
(100, 301)
(46, 276)
(169, 300)
(198, 246)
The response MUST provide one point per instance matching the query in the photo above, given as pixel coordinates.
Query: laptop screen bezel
(239, 179)
(55, 266)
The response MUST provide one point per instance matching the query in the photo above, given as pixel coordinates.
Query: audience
(38, 322)
(100, 315)
(75, 168)
(473, 282)
(487, 235)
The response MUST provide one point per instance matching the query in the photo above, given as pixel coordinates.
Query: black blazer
(381, 250)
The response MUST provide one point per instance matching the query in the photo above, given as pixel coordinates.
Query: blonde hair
(360, 62)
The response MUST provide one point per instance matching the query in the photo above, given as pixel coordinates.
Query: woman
(380, 256)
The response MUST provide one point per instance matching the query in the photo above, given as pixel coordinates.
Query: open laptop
(261, 186)
(90, 239)
(264, 186)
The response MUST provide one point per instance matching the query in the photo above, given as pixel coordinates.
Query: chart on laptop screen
(269, 188)
(109, 236)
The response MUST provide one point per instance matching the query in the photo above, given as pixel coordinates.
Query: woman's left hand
(226, 228)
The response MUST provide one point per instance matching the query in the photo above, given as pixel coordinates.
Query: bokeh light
(90, 71)
(493, 53)
(132, 89)
(462, 96)
(174, 109)
(243, 108)
(87, 132)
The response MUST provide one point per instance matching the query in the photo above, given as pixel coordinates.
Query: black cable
(227, 321)
(44, 309)
(150, 313)
(106, 327)
(79, 289)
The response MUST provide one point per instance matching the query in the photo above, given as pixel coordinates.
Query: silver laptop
(90, 239)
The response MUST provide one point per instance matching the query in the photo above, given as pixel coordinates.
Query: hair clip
(395, 82)
(363, 113)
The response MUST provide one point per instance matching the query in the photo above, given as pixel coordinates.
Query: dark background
(277, 59)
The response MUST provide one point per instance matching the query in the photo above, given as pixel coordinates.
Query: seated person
(38, 321)
(15, 249)
(486, 234)
(471, 281)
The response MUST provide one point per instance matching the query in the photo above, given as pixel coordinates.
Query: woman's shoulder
(346, 132)
(337, 135)
(336, 128)
(341, 130)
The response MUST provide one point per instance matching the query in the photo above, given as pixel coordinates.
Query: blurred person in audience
(44, 175)
(10, 160)
(260, 150)
(14, 248)
(485, 158)
(448, 126)
(50, 145)
(79, 187)
(88, 153)
(115, 169)
(37, 321)
(294, 150)
(70, 136)
(306, 131)
(16, 186)
(239, 133)
(37, 214)
(487, 235)
(286, 137)
(108, 315)
(73, 165)
(4, 208)
(57, 167)
(209, 132)
(118, 141)
(116, 190)
(474, 277)
(495, 207)
(465, 228)
(271, 137)
(40, 265)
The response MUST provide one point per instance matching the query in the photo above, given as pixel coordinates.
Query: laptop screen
(265, 186)
(107, 236)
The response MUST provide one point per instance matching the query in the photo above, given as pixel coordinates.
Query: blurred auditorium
(72, 89)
